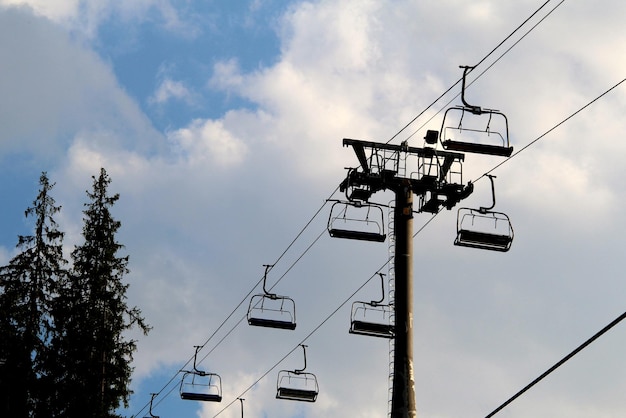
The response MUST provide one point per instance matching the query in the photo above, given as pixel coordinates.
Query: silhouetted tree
(27, 286)
(91, 316)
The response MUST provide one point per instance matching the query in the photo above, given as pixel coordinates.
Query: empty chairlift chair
(356, 220)
(372, 318)
(198, 385)
(150, 411)
(297, 385)
(470, 128)
(241, 400)
(483, 228)
(271, 310)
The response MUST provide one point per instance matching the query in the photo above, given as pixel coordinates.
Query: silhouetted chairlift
(297, 385)
(198, 385)
(487, 131)
(364, 222)
(241, 400)
(271, 310)
(150, 411)
(483, 228)
(372, 318)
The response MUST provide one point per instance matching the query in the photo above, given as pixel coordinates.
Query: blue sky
(217, 31)
(220, 123)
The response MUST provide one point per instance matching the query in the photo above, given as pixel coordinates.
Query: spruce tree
(27, 286)
(94, 354)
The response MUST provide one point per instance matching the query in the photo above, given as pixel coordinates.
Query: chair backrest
(201, 386)
(297, 386)
(363, 222)
(272, 311)
(484, 229)
(485, 132)
(371, 319)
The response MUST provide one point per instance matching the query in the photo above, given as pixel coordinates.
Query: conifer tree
(27, 286)
(94, 354)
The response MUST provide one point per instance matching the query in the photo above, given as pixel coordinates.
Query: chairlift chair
(484, 228)
(241, 400)
(271, 310)
(198, 385)
(470, 128)
(372, 318)
(297, 385)
(356, 220)
(150, 411)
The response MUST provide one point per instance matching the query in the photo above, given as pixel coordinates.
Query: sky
(221, 125)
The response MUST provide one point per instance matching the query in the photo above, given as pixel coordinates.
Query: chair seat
(372, 329)
(478, 148)
(358, 235)
(483, 240)
(191, 396)
(296, 394)
(271, 323)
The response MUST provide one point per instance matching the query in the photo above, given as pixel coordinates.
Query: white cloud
(54, 10)
(53, 88)
(207, 141)
(227, 76)
(558, 183)
(86, 16)
(169, 89)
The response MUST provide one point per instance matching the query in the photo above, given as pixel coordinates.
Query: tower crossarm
(359, 148)
(378, 170)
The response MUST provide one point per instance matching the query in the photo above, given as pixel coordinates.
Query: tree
(27, 287)
(94, 357)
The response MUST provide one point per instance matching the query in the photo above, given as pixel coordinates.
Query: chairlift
(356, 220)
(150, 411)
(241, 400)
(297, 385)
(483, 131)
(271, 310)
(483, 228)
(372, 318)
(198, 385)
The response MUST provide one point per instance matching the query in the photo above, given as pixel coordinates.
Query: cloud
(85, 17)
(53, 87)
(207, 141)
(169, 89)
(227, 76)
(54, 10)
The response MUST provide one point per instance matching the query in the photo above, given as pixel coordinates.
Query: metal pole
(403, 392)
